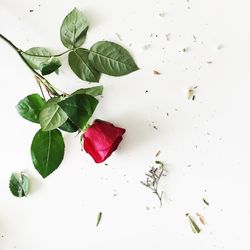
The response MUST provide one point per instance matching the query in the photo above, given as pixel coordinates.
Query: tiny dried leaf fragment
(168, 36)
(186, 49)
(191, 92)
(153, 178)
(201, 218)
(118, 36)
(205, 201)
(193, 225)
(19, 184)
(146, 46)
(162, 14)
(99, 217)
(156, 72)
(158, 153)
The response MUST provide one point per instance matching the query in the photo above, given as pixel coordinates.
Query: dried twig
(153, 178)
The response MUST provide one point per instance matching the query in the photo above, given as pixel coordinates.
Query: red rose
(101, 139)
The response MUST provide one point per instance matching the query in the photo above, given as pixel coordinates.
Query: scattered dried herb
(153, 178)
(158, 153)
(146, 46)
(99, 217)
(154, 127)
(205, 201)
(201, 218)
(118, 36)
(191, 92)
(168, 36)
(193, 225)
(156, 72)
(185, 50)
(162, 14)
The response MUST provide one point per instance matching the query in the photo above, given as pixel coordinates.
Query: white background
(205, 143)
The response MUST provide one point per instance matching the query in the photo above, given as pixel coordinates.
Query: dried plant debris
(168, 36)
(191, 93)
(99, 217)
(146, 46)
(201, 218)
(118, 36)
(158, 153)
(162, 14)
(156, 72)
(220, 46)
(193, 225)
(205, 201)
(153, 178)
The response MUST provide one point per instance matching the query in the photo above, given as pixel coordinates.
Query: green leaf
(93, 91)
(40, 58)
(35, 56)
(79, 63)
(52, 116)
(74, 29)
(19, 184)
(79, 108)
(47, 151)
(69, 126)
(50, 66)
(30, 107)
(111, 59)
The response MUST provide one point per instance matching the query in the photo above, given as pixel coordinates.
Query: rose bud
(101, 139)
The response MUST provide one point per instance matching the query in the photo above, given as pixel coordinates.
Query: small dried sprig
(153, 178)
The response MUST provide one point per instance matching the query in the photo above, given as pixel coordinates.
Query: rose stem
(42, 80)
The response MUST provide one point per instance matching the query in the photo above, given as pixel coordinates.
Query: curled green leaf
(41, 59)
(19, 184)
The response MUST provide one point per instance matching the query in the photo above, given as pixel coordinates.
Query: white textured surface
(210, 133)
